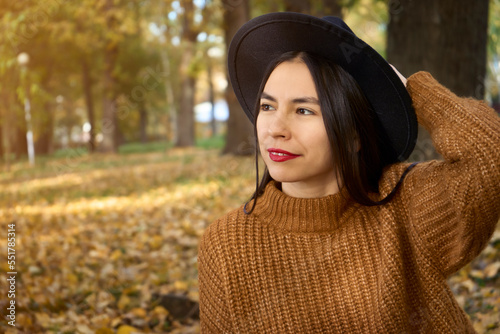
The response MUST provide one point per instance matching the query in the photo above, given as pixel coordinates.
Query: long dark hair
(353, 130)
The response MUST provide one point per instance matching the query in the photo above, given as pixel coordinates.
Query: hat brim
(262, 39)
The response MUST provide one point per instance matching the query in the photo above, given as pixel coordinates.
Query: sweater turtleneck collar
(302, 215)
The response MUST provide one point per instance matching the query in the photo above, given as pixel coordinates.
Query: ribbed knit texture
(330, 265)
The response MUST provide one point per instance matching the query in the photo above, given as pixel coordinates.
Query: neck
(310, 190)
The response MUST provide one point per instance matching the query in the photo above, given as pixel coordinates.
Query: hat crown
(337, 21)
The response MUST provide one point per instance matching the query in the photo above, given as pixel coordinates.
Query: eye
(304, 111)
(266, 107)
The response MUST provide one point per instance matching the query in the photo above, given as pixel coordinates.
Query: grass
(211, 143)
(69, 160)
(137, 147)
(129, 148)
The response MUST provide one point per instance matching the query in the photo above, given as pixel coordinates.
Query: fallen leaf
(125, 329)
(492, 269)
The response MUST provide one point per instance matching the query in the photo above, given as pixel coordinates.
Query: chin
(282, 177)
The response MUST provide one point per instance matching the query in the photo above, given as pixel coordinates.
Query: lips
(279, 155)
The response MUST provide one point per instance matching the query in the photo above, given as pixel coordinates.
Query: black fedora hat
(262, 39)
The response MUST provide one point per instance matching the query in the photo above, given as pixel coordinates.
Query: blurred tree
(43, 59)
(166, 22)
(298, 6)
(15, 35)
(185, 117)
(2, 132)
(102, 35)
(110, 129)
(240, 136)
(445, 37)
(183, 46)
(7, 106)
(328, 7)
(20, 143)
(100, 40)
(493, 84)
(77, 29)
(88, 64)
(164, 17)
(89, 100)
(146, 88)
(32, 28)
(317, 8)
(45, 125)
(137, 81)
(108, 41)
(211, 92)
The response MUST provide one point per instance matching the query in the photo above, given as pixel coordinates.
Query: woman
(341, 235)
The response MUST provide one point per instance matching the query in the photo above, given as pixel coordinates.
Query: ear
(356, 146)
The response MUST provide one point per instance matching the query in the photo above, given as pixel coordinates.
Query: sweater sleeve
(454, 204)
(214, 313)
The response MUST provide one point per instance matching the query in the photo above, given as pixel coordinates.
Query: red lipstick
(278, 155)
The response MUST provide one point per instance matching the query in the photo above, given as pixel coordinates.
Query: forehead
(291, 78)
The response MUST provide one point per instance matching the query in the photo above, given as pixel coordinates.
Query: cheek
(261, 131)
(315, 134)
(320, 144)
(260, 137)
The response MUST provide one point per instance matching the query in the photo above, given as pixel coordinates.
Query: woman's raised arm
(454, 204)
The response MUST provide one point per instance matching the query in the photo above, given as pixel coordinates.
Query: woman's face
(292, 136)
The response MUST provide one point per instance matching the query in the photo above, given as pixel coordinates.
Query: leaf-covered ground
(97, 238)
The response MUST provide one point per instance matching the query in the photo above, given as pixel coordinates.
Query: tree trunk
(143, 114)
(171, 119)
(43, 144)
(329, 8)
(211, 96)
(143, 122)
(444, 37)
(240, 135)
(110, 120)
(87, 91)
(298, 6)
(6, 124)
(20, 141)
(169, 94)
(2, 121)
(319, 8)
(45, 120)
(185, 118)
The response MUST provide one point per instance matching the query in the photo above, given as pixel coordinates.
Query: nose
(279, 126)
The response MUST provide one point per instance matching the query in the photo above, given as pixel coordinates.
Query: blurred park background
(121, 141)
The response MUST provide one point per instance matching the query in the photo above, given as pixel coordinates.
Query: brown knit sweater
(330, 265)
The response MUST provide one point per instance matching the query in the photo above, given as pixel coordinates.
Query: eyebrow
(303, 99)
